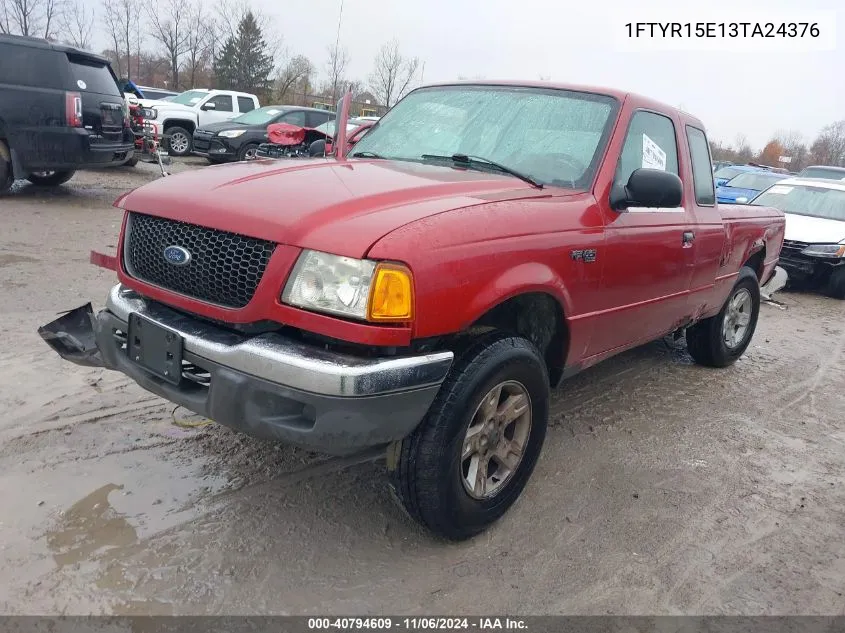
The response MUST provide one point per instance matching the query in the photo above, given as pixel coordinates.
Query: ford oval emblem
(176, 255)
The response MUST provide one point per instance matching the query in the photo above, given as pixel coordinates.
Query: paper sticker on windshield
(653, 156)
(782, 189)
(82, 85)
(273, 112)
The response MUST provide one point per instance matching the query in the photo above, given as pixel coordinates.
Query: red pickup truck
(424, 293)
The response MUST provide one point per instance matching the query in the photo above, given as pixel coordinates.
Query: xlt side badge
(587, 255)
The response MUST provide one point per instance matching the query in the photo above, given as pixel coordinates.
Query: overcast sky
(755, 92)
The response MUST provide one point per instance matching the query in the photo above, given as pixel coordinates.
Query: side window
(317, 118)
(245, 104)
(294, 118)
(31, 66)
(702, 175)
(222, 103)
(651, 143)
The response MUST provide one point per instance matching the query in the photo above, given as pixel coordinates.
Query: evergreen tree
(245, 63)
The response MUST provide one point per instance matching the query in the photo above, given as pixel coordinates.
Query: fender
(522, 279)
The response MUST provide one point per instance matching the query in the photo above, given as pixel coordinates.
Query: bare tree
(829, 146)
(793, 146)
(122, 21)
(199, 44)
(742, 148)
(336, 69)
(33, 18)
(393, 74)
(298, 68)
(77, 23)
(169, 27)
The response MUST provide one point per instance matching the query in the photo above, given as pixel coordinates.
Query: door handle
(688, 238)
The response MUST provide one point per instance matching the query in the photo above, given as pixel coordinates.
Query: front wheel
(6, 176)
(180, 140)
(720, 340)
(472, 455)
(248, 151)
(50, 178)
(836, 283)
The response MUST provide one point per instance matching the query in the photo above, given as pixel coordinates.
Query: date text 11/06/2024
(722, 29)
(417, 624)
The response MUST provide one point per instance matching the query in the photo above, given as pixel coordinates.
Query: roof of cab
(37, 42)
(621, 95)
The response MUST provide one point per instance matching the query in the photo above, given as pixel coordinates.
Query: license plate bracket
(155, 348)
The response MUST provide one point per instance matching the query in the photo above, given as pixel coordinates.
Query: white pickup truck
(178, 117)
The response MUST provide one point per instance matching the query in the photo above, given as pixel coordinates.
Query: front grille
(224, 268)
(794, 245)
(201, 141)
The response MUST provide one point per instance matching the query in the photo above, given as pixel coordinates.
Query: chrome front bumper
(267, 385)
(276, 359)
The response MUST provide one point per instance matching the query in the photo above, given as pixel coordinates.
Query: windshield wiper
(465, 159)
(365, 155)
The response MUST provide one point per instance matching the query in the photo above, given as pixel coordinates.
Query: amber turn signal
(392, 294)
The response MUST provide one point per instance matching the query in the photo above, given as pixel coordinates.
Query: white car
(814, 245)
(179, 116)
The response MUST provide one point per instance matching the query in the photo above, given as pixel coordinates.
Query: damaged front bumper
(267, 386)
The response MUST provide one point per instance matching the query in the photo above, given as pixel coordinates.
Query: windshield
(817, 202)
(754, 180)
(728, 172)
(552, 136)
(189, 97)
(822, 172)
(261, 116)
(91, 76)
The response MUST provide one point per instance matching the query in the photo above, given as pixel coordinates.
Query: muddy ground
(664, 487)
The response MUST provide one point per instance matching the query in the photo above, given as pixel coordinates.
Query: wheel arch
(537, 311)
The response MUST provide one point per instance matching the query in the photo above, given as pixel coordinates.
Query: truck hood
(805, 228)
(337, 207)
(166, 105)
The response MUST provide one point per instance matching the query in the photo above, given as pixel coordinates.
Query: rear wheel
(472, 455)
(50, 178)
(247, 152)
(6, 177)
(720, 340)
(132, 161)
(179, 141)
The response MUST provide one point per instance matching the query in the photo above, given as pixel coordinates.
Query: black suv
(61, 109)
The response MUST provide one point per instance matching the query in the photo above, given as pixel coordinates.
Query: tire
(7, 178)
(429, 476)
(835, 285)
(247, 151)
(706, 340)
(182, 138)
(50, 178)
(132, 161)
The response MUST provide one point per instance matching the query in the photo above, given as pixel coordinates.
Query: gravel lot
(664, 487)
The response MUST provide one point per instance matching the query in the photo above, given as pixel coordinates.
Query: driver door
(648, 262)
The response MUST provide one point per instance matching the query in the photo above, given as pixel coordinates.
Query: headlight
(231, 133)
(357, 288)
(149, 113)
(825, 250)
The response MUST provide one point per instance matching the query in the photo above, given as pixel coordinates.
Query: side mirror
(648, 188)
(209, 106)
